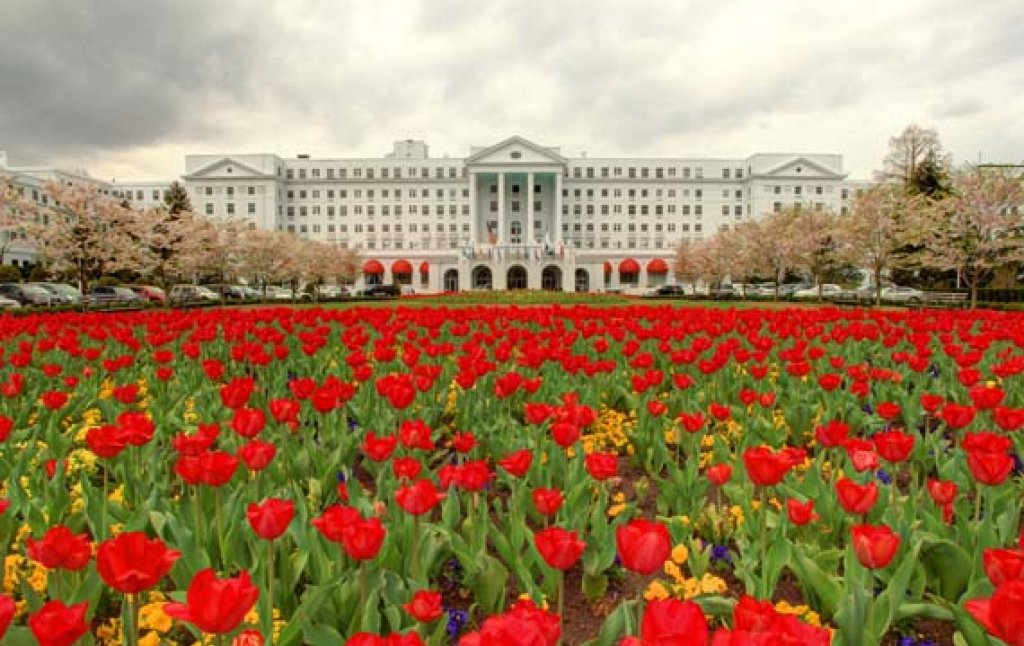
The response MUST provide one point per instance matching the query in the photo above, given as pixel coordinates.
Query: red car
(150, 293)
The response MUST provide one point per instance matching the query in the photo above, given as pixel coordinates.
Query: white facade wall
(580, 212)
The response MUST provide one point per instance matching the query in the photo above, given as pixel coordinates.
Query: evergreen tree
(930, 179)
(176, 198)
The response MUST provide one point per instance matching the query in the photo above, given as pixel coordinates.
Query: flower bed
(488, 475)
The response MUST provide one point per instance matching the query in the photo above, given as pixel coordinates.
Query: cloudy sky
(126, 88)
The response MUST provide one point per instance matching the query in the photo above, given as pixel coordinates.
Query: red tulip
(893, 446)
(363, 539)
(406, 468)
(888, 410)
(335, 521)
(463, 442)
(565, 434)
(1002, 565)
(215, 605)
(257, 454)
(379, 449)
(1008, 419)
(800, 513)
(656, 407)
(643, 546)
(54, 399)
(874, 546)
(285, 410)
(855, 498)
(517, 463)
(107, 441)
(218, 468)
(235, 394)
(58, 625)
(862, 454)
(986, 398)
(956, 416)
(7, 610)
(691, 422)
(674, 622)
(832, 434)
(419, 498)
(765, 467)
(602, 466)
(719, 474)
(425, 606)
(415, 434)
(133, 562)
(720, 412)
(61, 549)
(1002, 615)
(270, 518)
(931, 403)
(248, 422)
(249, 637)
(524, 623)
(986, 442)
(943, 493)
(830, 381)
(989, 468)
(547, 501)
(559, 548)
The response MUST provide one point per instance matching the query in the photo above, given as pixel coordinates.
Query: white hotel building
(512, 215)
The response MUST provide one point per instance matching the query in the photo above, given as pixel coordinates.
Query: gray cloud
(125, 84)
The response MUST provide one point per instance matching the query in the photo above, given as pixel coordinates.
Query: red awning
(401, 267)
(657, 266)
(424, 267)
(629, 266)
(373, 267)
(607, 267)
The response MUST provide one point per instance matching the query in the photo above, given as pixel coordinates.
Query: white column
(528, 230)
(556, 237)
(472, 210)
(501, 208)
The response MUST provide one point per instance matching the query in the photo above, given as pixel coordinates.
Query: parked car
(149, 293)
(27, 294)
(331, 292)
(897, 294)
(382, 291)
(725, 290)
(666, 291)
(275, 293)
(192, 295)
(110, 295)
(8, 303)
(827, 290)
(789, 289)
(71, 294)
(58, 297)
(233, 292)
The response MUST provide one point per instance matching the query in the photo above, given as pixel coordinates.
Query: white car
(275, 293)
(897, 294)
(8, 303)
(826, 291)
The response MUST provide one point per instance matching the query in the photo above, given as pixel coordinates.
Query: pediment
(227, 168)
(802, 167)
(515, 150)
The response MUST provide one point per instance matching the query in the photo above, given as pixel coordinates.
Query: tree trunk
(878, 286)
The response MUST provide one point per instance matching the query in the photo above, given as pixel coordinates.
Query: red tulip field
(492, 476)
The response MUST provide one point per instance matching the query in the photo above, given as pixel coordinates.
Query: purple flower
(721, 553)
(882, 475)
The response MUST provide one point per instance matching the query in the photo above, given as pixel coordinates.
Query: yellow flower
(711, 584)
(656, 590)
(615, 510)
(117, 495)
(680, 554)
(150, 639)
(153, 617)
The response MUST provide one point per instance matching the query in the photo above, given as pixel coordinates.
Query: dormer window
(515, 154)
(799, 169)
(229, 169)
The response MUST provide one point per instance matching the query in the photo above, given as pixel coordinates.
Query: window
(230, 206)
(725, 173)
(209, 191)
(776, 207)
(686, 173)
(698, 210)
(209, 209)
(725, 209)
(251, 208)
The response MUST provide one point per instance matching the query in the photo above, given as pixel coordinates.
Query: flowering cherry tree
(15, 215)
(978, 228)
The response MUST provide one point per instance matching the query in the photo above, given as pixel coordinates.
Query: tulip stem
(362, 585)
(765, 593)
(102, 528)
(270, 591)
(132, 633)
(220, 524)
(416, 548)
(561, 602)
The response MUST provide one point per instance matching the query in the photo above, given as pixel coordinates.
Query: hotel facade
(513, 215)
